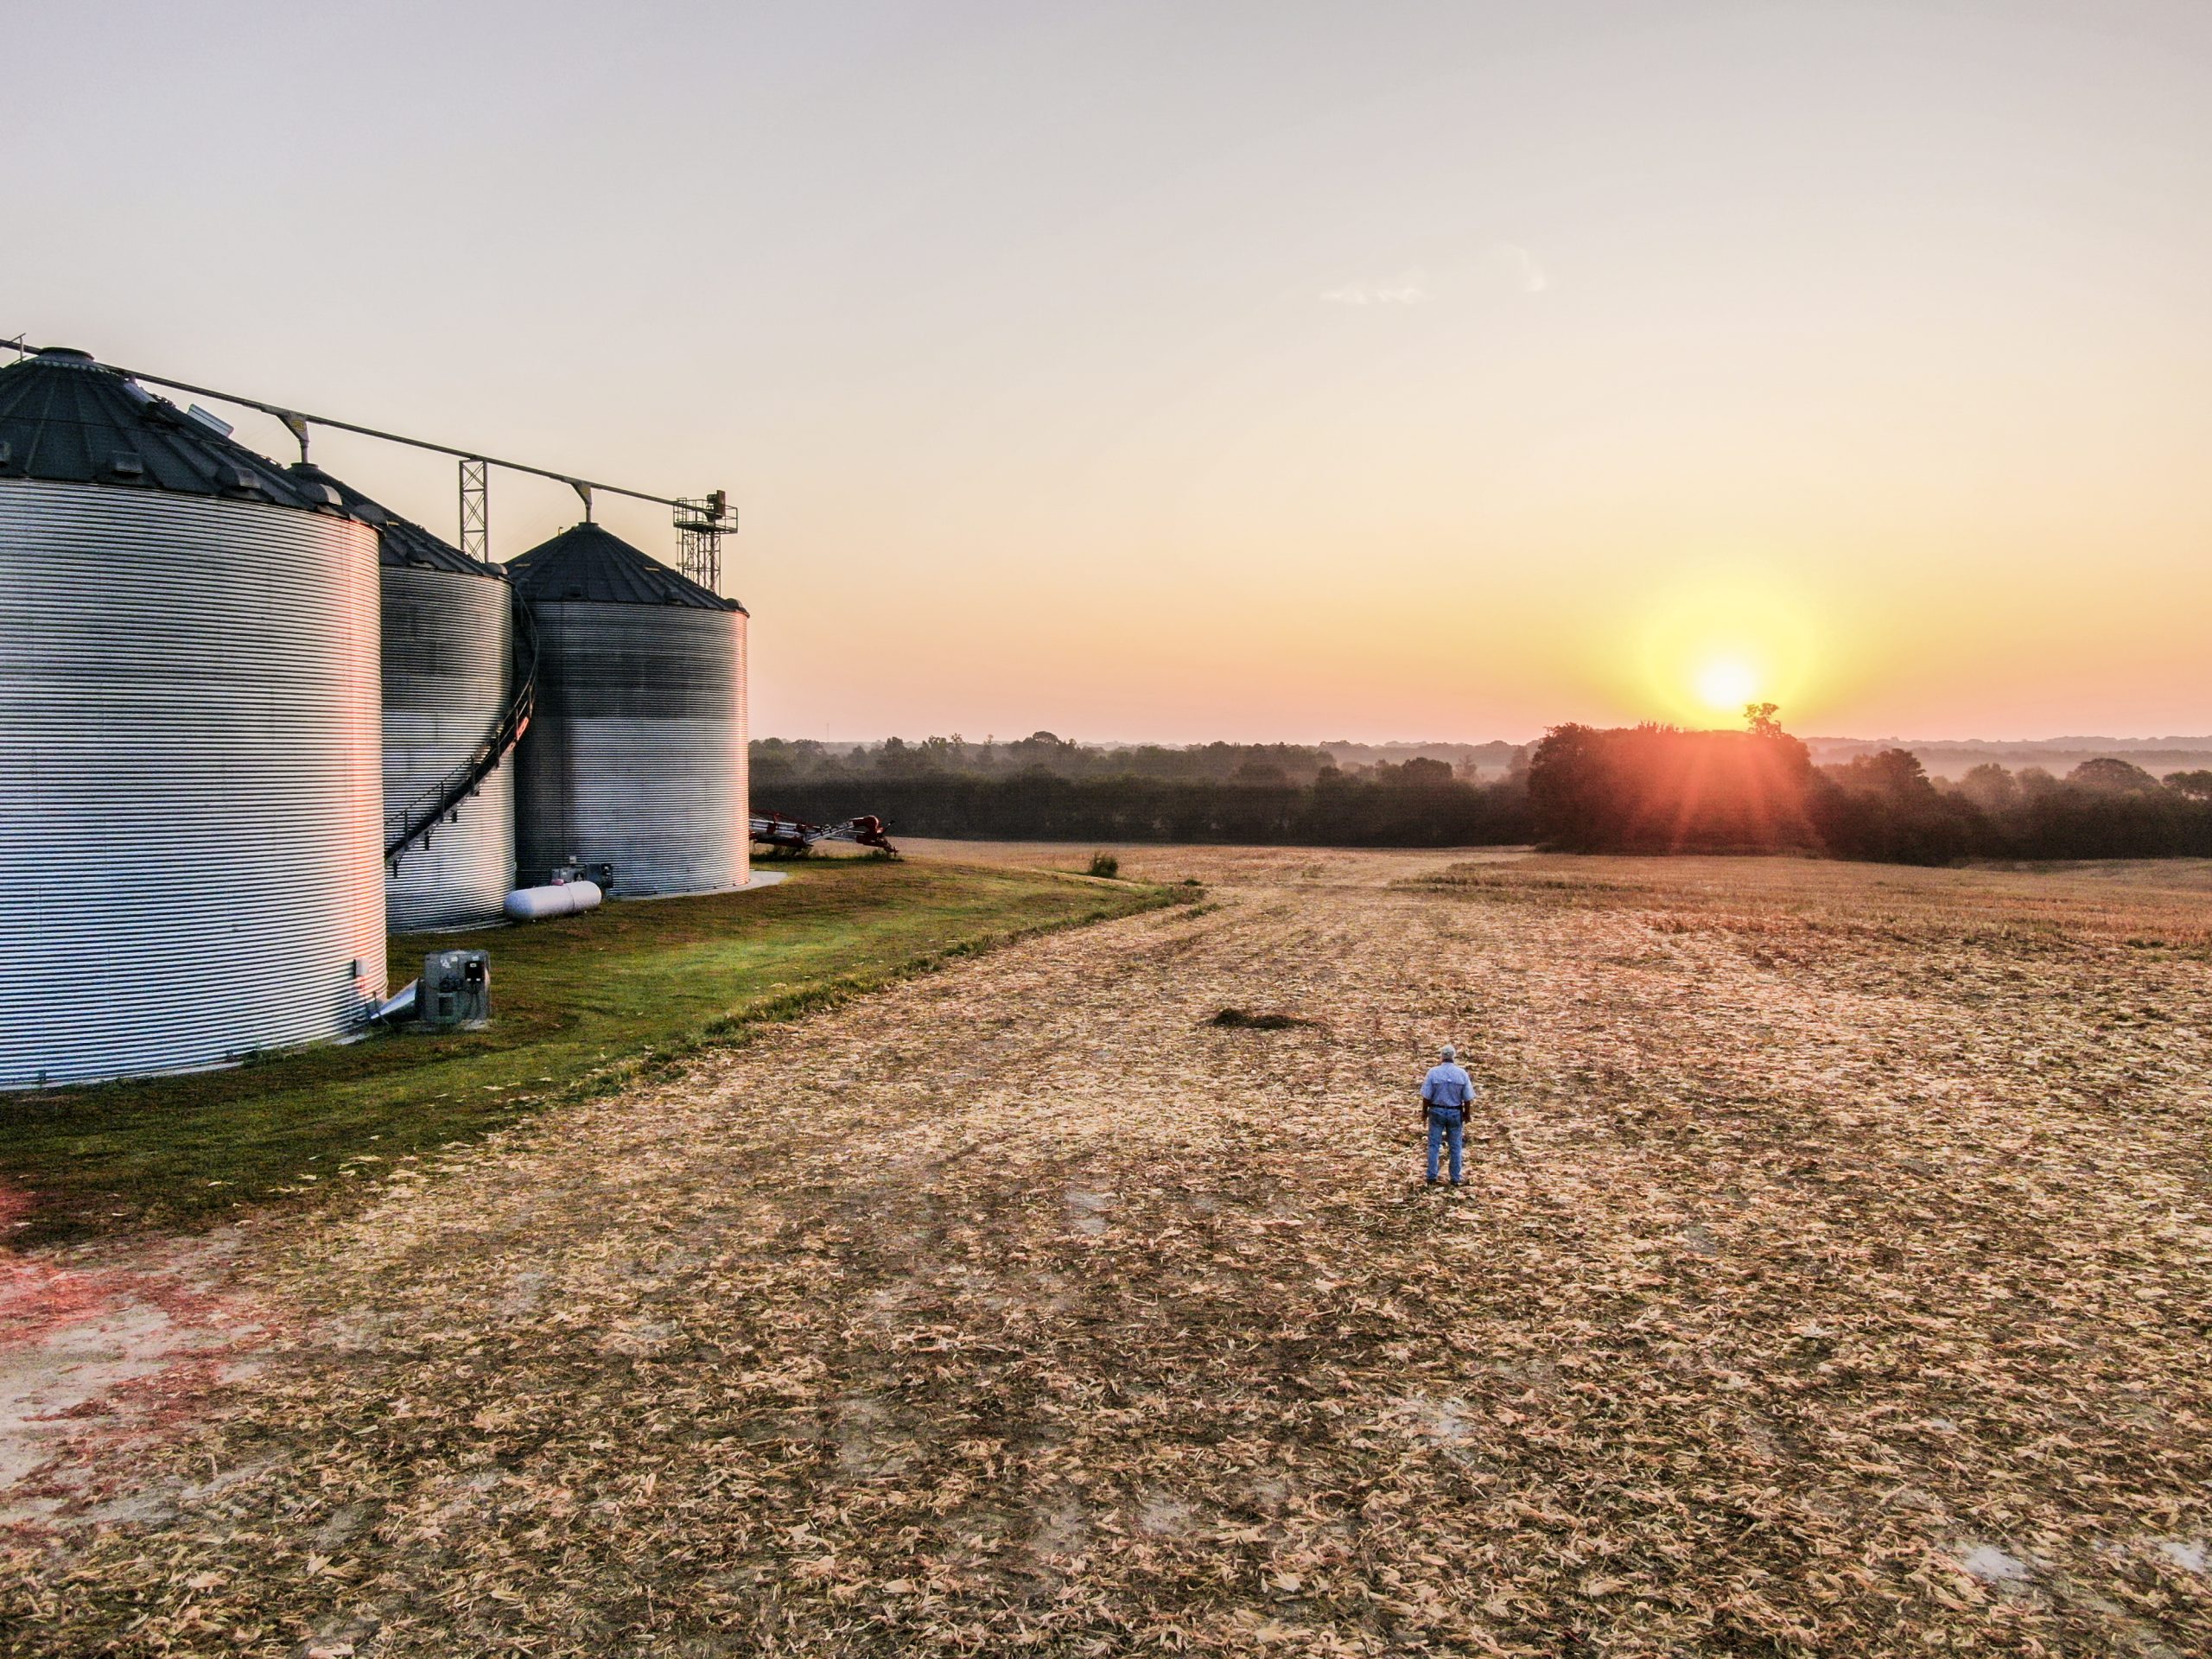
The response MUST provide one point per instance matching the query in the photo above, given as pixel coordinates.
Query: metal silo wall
(741, 626)
(636, 756)
(448, 650)
(191, 863)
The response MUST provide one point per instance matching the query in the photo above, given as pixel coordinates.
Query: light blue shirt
(1448, 1087)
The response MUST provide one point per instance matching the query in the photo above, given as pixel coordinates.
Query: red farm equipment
(790, 835)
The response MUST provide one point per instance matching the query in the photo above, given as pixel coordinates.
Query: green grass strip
(581, 1006)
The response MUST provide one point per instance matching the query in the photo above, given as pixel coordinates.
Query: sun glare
(1723, 638)
(1726, 685)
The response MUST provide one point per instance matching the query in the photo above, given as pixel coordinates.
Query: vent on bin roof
(592, 565)
(65, 419)
(399, 541)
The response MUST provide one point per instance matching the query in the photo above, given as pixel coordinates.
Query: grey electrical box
(455, 992)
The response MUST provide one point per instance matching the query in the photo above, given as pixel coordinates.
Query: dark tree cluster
(1657, 789)
(2105, 808)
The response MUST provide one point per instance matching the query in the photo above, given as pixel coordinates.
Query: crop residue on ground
(1832, 1278)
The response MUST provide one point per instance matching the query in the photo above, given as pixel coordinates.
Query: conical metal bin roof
(593, 566)
(65, 419)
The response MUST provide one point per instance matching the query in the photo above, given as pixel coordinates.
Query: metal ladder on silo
(430, 808)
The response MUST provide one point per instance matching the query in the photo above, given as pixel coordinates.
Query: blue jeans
(1440, 1125)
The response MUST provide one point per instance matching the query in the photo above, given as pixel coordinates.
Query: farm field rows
(1833, 1276)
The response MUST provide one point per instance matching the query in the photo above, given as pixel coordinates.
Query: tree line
(1655, 788)
(1640, 789)
(778, 761)
(1334, 810)
(1045, 787)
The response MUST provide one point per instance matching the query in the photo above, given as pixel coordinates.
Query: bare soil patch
(1832, 1278)
(104, 1355)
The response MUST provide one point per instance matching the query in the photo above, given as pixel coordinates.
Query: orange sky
(1140, 370)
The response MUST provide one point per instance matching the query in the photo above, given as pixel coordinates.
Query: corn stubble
(1832, 1278)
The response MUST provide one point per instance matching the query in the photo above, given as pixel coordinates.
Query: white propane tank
(564, 898)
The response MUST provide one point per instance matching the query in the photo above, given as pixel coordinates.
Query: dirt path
(1831, 1277)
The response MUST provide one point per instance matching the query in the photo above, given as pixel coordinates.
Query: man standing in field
(1446, 1094)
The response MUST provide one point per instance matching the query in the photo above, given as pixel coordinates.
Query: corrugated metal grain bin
(191, 869)
(449, 648)
(637, 754)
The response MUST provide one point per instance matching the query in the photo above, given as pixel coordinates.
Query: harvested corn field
(1831, 1277)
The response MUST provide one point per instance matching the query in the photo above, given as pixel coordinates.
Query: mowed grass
(580, 1004)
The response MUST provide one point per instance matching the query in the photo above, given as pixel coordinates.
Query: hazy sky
(1255, 371)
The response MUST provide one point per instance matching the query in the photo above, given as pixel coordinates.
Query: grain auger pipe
(700, 521)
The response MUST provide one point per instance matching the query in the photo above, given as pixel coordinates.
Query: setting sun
(1726, 685)
(1693, 649)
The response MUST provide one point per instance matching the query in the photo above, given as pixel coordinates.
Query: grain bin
(636, 757)
(449, 679)
(190, 864)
